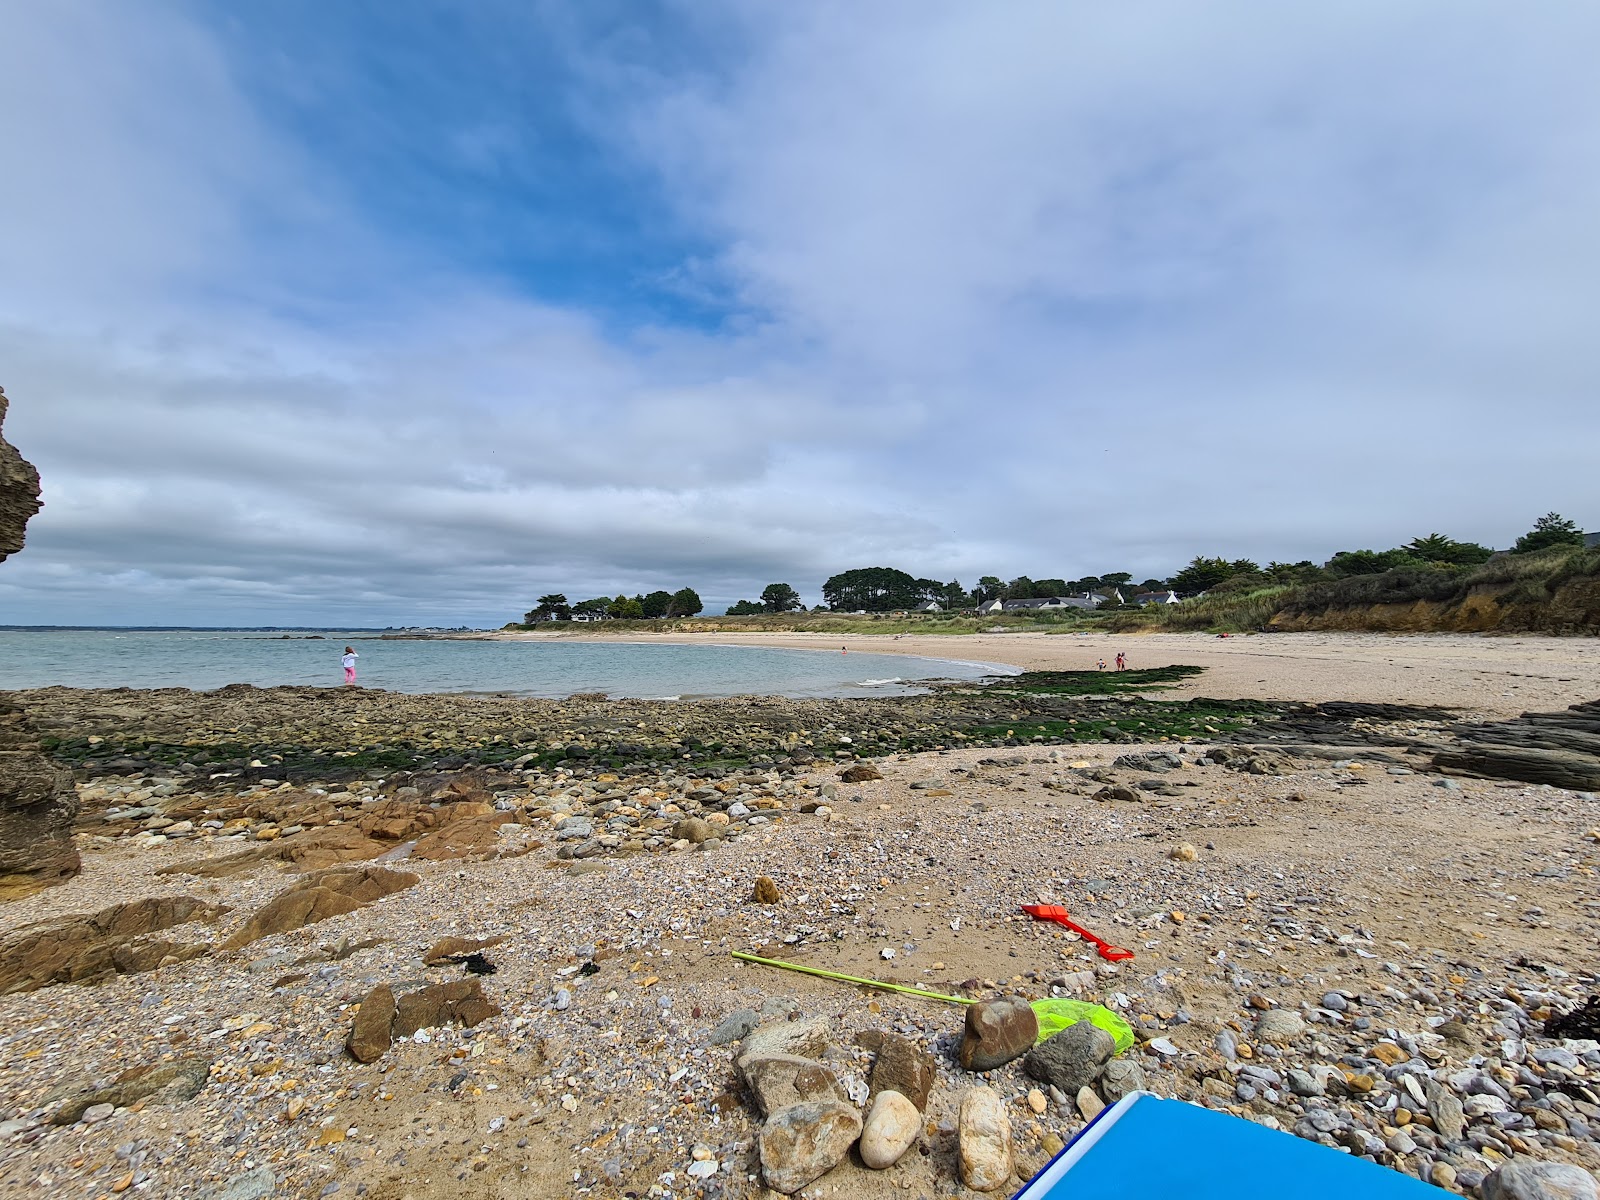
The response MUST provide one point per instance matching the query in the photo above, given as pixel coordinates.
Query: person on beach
(1101, 665)
(1122, 662)
(349, 661)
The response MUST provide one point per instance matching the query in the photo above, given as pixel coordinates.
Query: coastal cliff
(37, 800)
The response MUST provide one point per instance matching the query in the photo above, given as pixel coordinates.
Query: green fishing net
(1056, 1015)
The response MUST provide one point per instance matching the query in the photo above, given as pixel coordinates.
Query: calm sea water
(205, 659)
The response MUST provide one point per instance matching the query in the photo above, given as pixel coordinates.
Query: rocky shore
(349, 943)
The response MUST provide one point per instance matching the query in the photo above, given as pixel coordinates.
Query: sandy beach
(1488, 675)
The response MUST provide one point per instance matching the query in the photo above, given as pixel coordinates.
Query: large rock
(19, 491)
(247, 1185)
(892, 1126)
(448, 949)
(983, 1134)
(997, 1031)
(88, 947)
(1445, 1110)
(1121, 1077)
(1280, 1026)
(372, 1032)
(902, 1066)
(805, 1141)
(1073, 1058)
(460, 1002)
(860, 773)
(805, 1038)
(37, 807)
(1523, 1180)
(158, 1083)
(317, 897)
(779, 1080)
(1558, 768)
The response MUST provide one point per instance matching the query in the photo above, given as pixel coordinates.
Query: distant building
(929, 606)
(1089, 600)
(1166, 597)
(588, 616)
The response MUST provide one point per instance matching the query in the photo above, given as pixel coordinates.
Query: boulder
(320, 895)
(1520, 1179)
(1073, 1058)
(157, 1083)
(997, 1031)
(460, 1002)
(693, 830)
(765, 891)
(19, 491)
(372, 1032)
(1280, 1026)
(38, 805)
(902, 1066)
(448, 948)
(472, 837)
(1121, 1077)
(88, 947)
(247, 1185)
(779, 1080)
(805, 1038)
(892, 1125)
(1558, 768)
(803, 1142)
(860, 773)
(983, 1134)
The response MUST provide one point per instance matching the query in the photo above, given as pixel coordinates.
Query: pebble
(983, 1136)
(891, 1127)
(997, 1031)
(1520, 1180)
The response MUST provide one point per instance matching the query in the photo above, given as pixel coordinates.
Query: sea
(203, 659)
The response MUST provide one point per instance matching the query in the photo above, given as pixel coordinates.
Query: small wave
(879, 682)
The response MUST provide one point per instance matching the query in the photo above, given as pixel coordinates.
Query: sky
(394, 312)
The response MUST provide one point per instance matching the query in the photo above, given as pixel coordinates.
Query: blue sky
(380, 313)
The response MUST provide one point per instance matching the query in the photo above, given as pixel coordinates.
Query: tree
(598, 605)
(780, 598)
(1153, 585)
(1117, 578)
(553, 607)
(1201, 575)
(1020, 588)
(1436, 548)
(871, 589)
(989, 588)
(744, 608)
(1045, 588)
(1552, 529)
(656, 603)
(955, 596)
(625, 609)
(685, 603)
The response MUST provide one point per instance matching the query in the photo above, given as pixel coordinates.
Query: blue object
(1147, 1148)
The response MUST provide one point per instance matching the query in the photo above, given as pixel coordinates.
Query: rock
(474, 837)
(1183, 852)
(38, 802)
(893, 1123)
(19, 491)
(860, 773)
(1089, 1104)
(765, 891)
(320, 895)
(1445, 1110)
(1073, 1058)
(734, 1026)
(805, 1141)
(805, 1038)
(693, 830)
(1523, 1180)
(902, 1066)
(1280, 1026)
(1117, 792)
(997, 1031)
(1262, 762)
(780, 1080)
(250, 1185)
(983, 1134)
(1303, 1083)
(1443, 1175)
(89, 947)
(1159, 760)
(1120, 1077)
(460, 1002)
(157, 1083)
(449, 948)
(1558, 768)
(373, 1029)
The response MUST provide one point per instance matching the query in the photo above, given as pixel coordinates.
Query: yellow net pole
(904, 989)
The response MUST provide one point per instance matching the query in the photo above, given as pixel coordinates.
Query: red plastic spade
(1054, 912)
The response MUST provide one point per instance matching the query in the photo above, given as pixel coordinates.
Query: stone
(803, 1142)
(19, 491)
(1071, 1059)
(473, 837)
(1443, 1175)
(38, 802)
(805, 1038)
(902, 1066)
(1089, 1104)
(1303, 1083)
(85, 948)
(249, 1185)
(693, 830)
(1524, 1180)
(892, 1125)
(1280, 1026)
(765, 891)
(448, 948)
(860, 773)
(318, 896)
(983, 1137)
(1446, 1112)
(156, 1083)
(460, 1002)
(734, 1026)
(1121, 1077)
(780, 1080)
(997, 1031)
(1183, 852)
(372, 1032)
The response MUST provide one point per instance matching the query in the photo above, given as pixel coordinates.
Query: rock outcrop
(37, 801)
(318, 896)
(87, 947)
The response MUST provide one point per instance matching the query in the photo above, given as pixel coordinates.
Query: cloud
(721, 294)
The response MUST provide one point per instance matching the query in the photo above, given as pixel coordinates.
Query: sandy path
(1492, 675)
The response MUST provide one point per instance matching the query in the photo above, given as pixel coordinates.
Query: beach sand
(1499, 676)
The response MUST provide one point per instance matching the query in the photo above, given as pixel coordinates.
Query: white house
(1166, 597)
(929, 606)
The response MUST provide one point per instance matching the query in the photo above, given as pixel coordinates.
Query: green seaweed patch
(1096, 683)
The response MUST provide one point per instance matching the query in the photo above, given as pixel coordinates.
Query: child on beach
(1122, 662)
(1101, 665)
(349, 661)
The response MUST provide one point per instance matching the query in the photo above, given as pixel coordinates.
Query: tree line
(885, 589)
